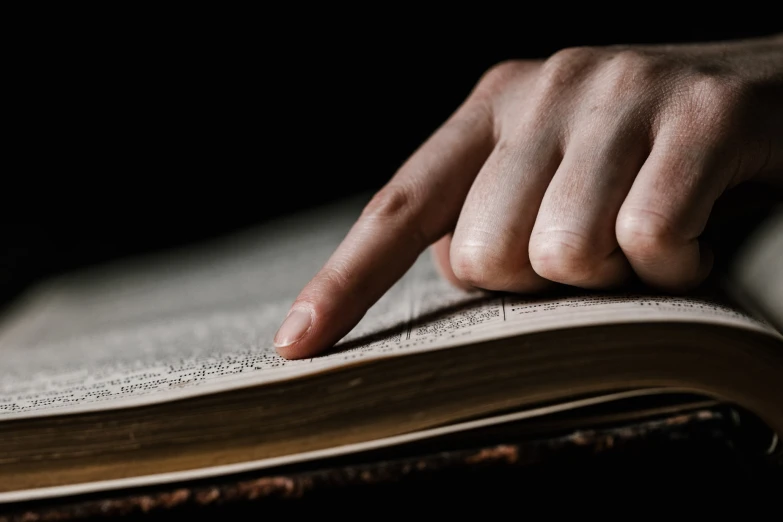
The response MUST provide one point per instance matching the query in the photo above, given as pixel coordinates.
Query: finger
(489, 249)
(667, 209)
(440, 256)
(573, 240)
(419, 205)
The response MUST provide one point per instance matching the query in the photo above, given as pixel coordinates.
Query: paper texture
(200, 321)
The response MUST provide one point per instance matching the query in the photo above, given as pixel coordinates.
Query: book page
(202, 320)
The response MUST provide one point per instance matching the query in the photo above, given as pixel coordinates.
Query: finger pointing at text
(583, 169)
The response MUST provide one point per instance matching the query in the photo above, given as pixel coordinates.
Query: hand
(583, 169)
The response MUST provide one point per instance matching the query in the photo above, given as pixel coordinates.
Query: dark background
(139, 136)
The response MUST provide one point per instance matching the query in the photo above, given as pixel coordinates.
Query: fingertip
(292, 352)
(302, 349)
(291, 338)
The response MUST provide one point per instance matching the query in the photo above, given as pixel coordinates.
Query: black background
(138, 135)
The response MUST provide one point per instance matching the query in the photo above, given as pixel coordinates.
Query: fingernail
(294, 327)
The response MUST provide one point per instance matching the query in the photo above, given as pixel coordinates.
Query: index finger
(420, 204)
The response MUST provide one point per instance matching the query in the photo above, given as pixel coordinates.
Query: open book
(162, 369)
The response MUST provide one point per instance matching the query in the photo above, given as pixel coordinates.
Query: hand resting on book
(587, 168)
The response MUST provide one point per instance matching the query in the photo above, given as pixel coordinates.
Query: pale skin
(585, 169)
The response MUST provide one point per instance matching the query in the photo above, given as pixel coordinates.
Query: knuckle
(489, 269)
(630, 71)
(475, 266)
(475, 117)
(391, 202)
(330, 281)
(564, 257)
(334, 278)
(496, 82)
(630, 59)
(713, 91)
(396, 209)
(567, 58)
(714, 97)
(713, 102)
(644, 234)
(499, 75)
(563, 67)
